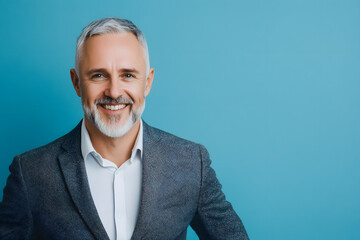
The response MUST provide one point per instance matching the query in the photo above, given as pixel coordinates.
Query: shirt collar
(87, 147)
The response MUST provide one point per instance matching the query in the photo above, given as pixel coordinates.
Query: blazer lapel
(151, 158)
(74, 172)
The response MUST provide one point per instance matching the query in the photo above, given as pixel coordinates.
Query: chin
(113, 128)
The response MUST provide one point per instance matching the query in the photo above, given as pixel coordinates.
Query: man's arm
(15, 216)
(215, 217)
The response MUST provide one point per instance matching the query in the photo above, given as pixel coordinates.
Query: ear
(149, 81)
(75, 81)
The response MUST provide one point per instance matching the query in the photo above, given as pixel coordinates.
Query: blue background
(271, 88)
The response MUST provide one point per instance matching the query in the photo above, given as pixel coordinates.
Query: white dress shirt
(116, 191)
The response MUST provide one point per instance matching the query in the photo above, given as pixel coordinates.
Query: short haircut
(111, 25)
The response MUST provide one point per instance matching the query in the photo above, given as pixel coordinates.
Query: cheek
(140, 95)
(136, 92)
(89, 94)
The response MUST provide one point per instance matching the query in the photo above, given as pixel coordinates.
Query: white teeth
(115, 107)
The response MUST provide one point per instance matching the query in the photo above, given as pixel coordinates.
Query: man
(114, 176)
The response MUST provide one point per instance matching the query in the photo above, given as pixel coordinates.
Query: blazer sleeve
(215, 218)
(15, 216)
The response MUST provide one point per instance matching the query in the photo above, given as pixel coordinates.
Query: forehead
(107, 48)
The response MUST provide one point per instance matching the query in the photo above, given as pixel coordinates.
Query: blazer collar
(149, 189)
(73, 168)
(74, 172)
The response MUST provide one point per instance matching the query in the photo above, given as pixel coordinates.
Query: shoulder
(50, 151)
(166, 137)
(47, 149)
(172, 143)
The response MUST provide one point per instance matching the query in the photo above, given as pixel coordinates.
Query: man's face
(112, 82)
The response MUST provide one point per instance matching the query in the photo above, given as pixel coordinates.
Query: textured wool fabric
(47, 195)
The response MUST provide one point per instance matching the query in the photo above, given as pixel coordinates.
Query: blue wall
(271, 88)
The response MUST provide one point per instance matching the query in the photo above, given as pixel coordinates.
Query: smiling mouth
(113, 107)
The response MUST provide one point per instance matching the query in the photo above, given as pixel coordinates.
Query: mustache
(120, 99)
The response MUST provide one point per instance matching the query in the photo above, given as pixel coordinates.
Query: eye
(128, 75)
(98, 75)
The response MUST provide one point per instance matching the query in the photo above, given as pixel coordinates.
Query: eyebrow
(129, 70)
(96, 70)
(103, 70)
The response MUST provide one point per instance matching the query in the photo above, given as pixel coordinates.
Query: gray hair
(111, 25)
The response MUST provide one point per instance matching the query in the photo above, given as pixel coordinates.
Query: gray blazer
(47, 195)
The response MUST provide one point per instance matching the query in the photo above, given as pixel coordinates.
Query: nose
(114, 89)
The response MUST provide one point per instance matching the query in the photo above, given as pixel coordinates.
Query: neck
(118, 150)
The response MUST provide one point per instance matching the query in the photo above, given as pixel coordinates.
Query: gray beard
(113, 129)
